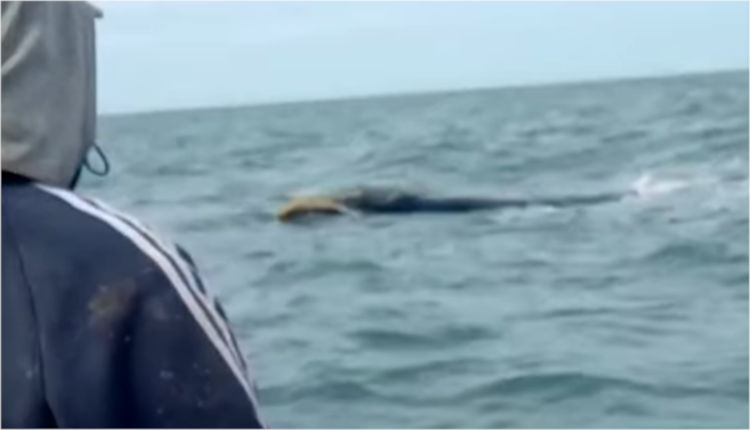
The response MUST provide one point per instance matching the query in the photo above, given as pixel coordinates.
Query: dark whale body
(384, 200)
(394, 201)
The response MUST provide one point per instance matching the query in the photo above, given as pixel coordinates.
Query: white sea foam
(648, 186)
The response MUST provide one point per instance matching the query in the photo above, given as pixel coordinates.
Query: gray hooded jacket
(49, 89)
(104, 322)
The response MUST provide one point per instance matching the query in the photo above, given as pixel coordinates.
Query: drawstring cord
(104, 161)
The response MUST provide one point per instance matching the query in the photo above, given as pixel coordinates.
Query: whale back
(376, 199)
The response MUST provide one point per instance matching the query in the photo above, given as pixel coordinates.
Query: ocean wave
(329, 390)
(432, 369)
(553, 387)
(437, 338)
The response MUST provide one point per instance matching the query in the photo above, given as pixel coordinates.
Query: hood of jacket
(48, 88)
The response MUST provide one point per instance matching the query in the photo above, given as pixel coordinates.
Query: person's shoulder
(55, 220)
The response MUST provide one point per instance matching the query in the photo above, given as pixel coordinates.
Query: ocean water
(626, 314)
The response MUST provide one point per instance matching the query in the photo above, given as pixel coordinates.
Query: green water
(627, 314)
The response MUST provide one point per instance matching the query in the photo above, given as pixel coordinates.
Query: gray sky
(154, 56)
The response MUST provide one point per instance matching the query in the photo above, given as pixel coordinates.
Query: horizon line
(427, 92)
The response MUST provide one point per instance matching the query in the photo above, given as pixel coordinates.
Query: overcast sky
(175, 55)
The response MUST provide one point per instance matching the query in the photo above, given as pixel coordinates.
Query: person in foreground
(386, 200)
(104, 324)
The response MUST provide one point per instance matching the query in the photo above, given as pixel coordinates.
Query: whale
(388, 200)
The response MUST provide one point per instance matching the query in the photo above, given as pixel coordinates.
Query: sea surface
(632, 313)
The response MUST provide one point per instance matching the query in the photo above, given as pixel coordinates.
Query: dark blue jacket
(104, 324)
